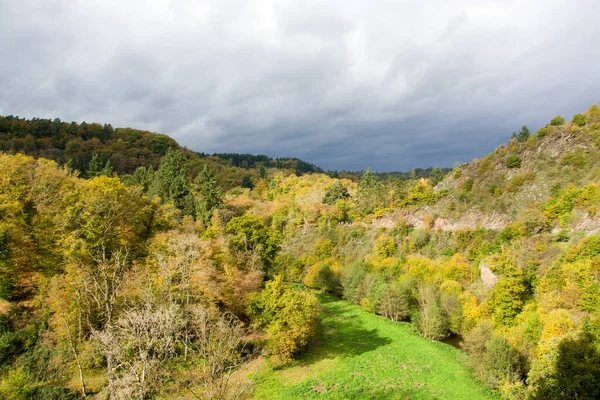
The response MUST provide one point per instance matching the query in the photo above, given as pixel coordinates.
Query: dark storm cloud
(345, 84)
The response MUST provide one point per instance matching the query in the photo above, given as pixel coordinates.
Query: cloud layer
(390, 84)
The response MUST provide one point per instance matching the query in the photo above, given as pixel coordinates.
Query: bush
(562, 236)
(542, 132)
(579, 119)
(519, 180)
(474, 345)
(16, 385)
(513, 162)
(386, 247)
(512, 231)
(593, 113)
(468, 185)
(501, 362)
(290, 316)
(558, 120)
(53, 393)
(352, 281)
(575, 159)
(419, 238)
(395, 302)
(320, 277)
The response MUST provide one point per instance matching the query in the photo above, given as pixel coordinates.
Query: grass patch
(363, 356)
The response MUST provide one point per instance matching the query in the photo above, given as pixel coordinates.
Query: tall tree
(210, 195)
(97, 168)
(170, 182)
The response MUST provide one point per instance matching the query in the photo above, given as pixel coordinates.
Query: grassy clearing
(363, 356)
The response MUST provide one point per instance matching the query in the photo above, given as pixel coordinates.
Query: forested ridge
(133, 268)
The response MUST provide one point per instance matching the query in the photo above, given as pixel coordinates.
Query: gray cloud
(346, 84)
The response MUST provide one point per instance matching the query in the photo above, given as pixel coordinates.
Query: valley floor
(364, 356)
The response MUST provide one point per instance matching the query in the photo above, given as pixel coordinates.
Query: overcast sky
(347, 84)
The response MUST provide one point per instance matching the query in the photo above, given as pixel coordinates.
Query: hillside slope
(523, 179)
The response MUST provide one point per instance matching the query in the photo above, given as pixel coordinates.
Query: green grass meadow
(363, 356)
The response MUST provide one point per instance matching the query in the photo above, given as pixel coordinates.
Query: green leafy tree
(250, 234)
(352, 280)
(210, 195)
(508, 299)
(575, 373)
(290, 317)
(262, 172)
(502, 362)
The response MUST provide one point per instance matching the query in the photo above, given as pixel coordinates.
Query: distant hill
(127, 149)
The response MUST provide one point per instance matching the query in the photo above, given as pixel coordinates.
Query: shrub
(542, 132)
(558, 120)
(419, 238)
(562, 236)
(495, 190)
(579, 119)
(323, 248)
(513, 162)
(16, 385)
(474, 345)
(534, 221)
(321, 277)
(290, 316)
(519, 180)
(593, 113)
(575, 159)
(512, 231)
(395, 302)
(352, 281)
(385, 247)
(468, 185)
(501, 362)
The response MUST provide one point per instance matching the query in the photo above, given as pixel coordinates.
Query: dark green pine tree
(522, 135)
(170, 182)
(96, 168)
(210, 195)
(247, 182)
(337, 191)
